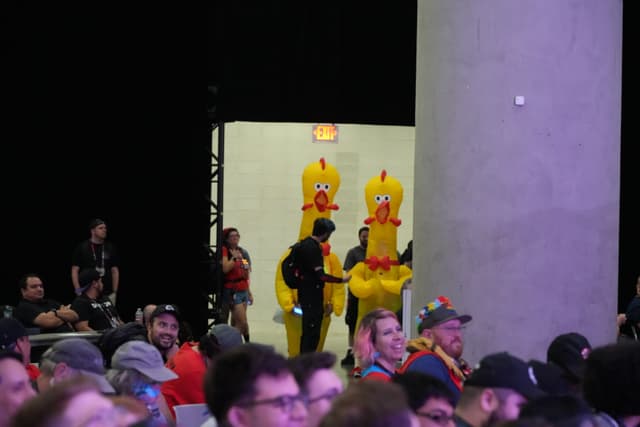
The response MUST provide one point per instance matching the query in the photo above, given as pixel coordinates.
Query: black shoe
(348, 359)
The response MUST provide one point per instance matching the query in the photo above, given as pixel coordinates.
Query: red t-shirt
(33, 371)
(189, 387)
(235, 279)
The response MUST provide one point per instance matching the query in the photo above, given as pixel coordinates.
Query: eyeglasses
(329, 395)
(438, 417)
(450, 329)
(285, 403)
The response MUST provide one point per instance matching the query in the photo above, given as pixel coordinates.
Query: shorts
(351, 316)
(235, 297)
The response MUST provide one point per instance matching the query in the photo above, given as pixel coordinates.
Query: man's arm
(82, 326)
(115, 278)
(67, 314)
(74, 278)
(48, 320)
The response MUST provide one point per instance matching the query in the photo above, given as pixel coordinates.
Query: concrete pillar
(516, 206)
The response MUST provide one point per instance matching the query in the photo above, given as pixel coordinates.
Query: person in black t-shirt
(99, 254)
(35, 311)
(95, 311)
(310, 293)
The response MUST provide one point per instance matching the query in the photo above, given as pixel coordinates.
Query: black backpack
(291, 271)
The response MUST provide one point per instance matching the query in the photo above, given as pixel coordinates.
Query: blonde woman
(379, 344)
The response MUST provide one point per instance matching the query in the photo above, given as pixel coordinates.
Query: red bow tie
(384, 262)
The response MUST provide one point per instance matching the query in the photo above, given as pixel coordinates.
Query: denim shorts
(237, 297)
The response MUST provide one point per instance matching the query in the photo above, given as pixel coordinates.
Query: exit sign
(325, 133)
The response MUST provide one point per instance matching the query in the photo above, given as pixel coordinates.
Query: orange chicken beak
(321, 200)
(382, 212)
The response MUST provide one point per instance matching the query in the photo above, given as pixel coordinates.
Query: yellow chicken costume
(320, 182)
(378, 281)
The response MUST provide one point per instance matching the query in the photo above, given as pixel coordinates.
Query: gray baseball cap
(228, 337)
(83, 356)
(144, 358)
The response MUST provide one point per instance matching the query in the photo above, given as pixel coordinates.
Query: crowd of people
(138, 375)
(146, 373)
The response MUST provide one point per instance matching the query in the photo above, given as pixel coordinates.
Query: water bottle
(139, 315)
(8, 311)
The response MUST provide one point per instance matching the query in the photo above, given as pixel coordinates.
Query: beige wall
(263, 195)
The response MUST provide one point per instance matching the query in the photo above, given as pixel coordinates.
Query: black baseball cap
(95, 222)
(165, 308)
(569, 351)
(503, 370)
(10, 330)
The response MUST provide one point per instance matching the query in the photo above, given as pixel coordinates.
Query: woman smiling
(379, 344)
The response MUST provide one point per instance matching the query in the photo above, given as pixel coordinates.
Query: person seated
(137, 370)
(35, 311)
(15, 387)
(379, 344)
(191, 361)
(252, 385)
(496, 390)
(112, 339)
(611, 378)
(14, 337)
(569, 352)
(164, 328)
(566, 410)
(318, 381)
(629, 321)
(430, 398)
(72, 402)
(370, 404)
(438, 349)
(72, 358)
(95, 311)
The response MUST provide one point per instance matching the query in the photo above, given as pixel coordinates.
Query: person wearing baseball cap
(191, 362)
(163, 329)
(95, 311)
(70, 357)
(138, 370)
(438, 349)
(569, 352)
(14, 337)
(496, 389)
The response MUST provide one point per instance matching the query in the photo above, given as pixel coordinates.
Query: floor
(266, 331)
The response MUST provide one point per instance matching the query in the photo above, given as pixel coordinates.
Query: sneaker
(348, 359)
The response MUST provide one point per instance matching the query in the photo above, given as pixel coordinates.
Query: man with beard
(95, 311)
(496, 390)
(311, 291)
(15, 387)
(438, 349)
(164, 326)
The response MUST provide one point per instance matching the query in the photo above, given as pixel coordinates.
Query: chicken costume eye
(321, 186)
(379, 198)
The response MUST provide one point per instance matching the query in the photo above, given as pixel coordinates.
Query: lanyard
(93, 251)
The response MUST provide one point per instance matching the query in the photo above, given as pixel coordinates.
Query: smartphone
(297, 311)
